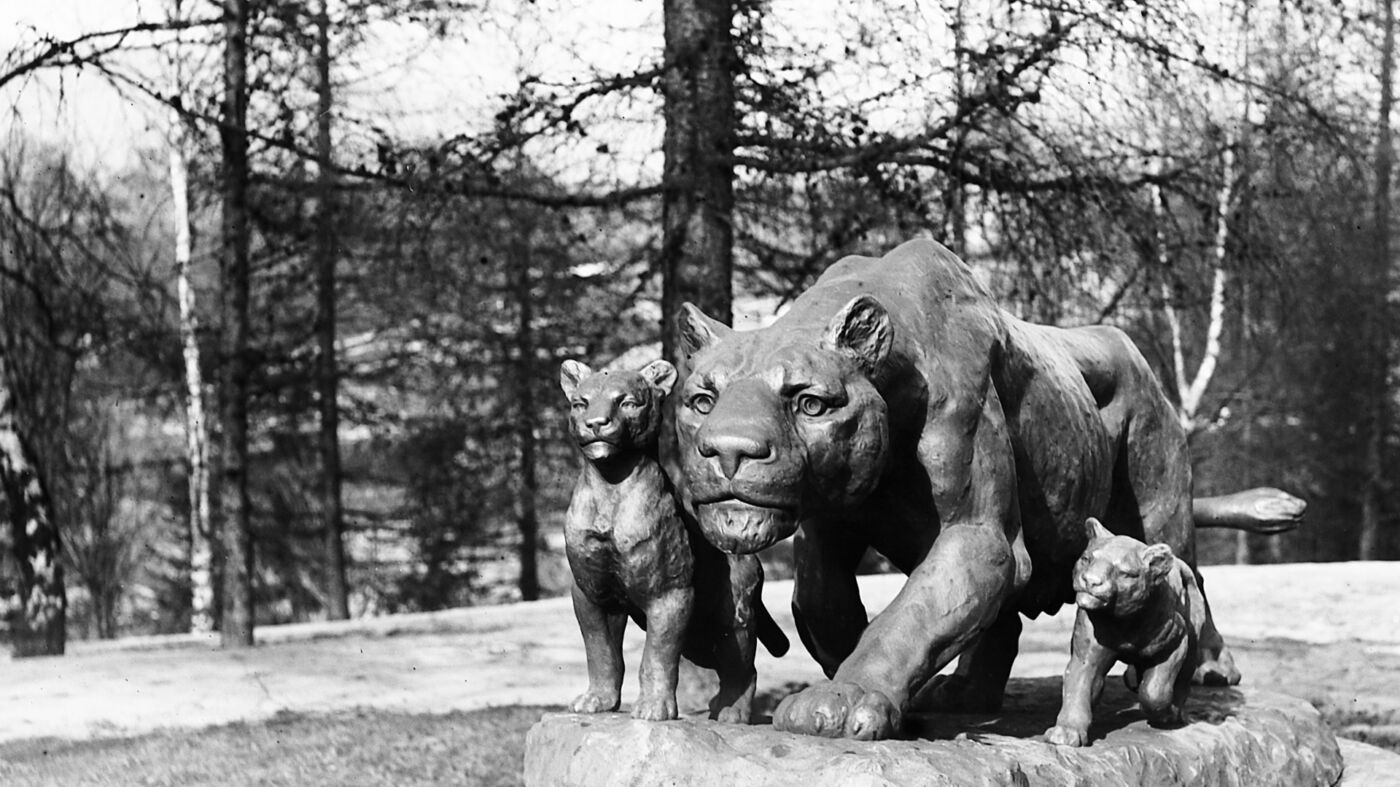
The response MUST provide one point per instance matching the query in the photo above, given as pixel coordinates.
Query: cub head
(1118, 573)
(775, 423)
(612, 413)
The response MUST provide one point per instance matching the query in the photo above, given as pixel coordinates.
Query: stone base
(1236, 737)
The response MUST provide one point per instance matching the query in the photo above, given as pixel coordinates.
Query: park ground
(445, 698)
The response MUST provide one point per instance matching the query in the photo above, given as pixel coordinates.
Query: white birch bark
(196, 425)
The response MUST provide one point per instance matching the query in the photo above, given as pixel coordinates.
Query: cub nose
(732, 450)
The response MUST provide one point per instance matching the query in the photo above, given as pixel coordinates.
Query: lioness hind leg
(979, 681)
(1157, 468)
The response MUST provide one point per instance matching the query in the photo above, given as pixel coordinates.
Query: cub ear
(571, 373)
(661, 374)
(1095, 529)
(698, 330)
(1159, 560)
(861, 328)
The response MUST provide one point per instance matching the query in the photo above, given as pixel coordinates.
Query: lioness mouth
(740, 528)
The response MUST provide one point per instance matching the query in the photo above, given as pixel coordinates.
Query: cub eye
(702, 403)
(578, 404)
(810, 405)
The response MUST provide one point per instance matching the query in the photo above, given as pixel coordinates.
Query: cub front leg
(1089, 663)
(602, 645)
(667, 615)
(1165, 687)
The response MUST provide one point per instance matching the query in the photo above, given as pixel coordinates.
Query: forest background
(285, 285)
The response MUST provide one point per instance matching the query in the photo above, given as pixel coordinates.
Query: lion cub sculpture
(1138, 604)
(632, 555)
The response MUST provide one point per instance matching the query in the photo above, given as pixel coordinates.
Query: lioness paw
(1061, 735)
(595, 702)
(838, 710)
(655, 708)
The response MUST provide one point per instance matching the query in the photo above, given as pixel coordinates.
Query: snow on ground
(1320, 631)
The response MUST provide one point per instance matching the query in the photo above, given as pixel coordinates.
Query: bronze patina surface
(631, 555)
(896, 406)
(1140, 605)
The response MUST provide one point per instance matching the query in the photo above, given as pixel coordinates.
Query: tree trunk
(697, 254)
(37, 613)
(1369, 547)
(327, 377)
(526, 515)
(236, 538)
(196, 426)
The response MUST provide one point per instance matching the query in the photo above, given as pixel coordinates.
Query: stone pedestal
(1236, 737)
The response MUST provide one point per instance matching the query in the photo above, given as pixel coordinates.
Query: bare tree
(327, 377)
(697, 202)
(236, 538)
(1378, 329)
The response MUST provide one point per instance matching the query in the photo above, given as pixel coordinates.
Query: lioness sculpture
(631, 554)
(896, 406)
(1140, 605)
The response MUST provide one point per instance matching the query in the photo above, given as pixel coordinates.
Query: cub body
(1138, 604)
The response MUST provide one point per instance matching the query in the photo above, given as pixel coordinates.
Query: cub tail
(769, 633)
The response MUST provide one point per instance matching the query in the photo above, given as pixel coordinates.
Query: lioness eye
(811, 405)
(702, 403)
(631, 403)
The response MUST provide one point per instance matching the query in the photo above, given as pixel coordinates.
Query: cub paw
(734, 714)
(1061, 735)
(1217, 672)
(838, 710)
(655, 709)
(595, 702)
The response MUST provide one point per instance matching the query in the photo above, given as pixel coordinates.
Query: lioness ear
(862, 328)
(571, 373)
(1159, 560)
(661, 374)
(1095, 529)
(698, 330)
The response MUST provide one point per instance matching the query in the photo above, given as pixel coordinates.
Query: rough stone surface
(1235, 737)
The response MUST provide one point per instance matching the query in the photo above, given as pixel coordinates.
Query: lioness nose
(597, 422)
(733, 449)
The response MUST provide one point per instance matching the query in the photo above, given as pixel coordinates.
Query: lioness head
(1117, 573)
(775, 423)
(614, 412)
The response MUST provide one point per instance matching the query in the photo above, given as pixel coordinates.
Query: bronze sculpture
(896, 406)
(630, 554)
(1138, 604)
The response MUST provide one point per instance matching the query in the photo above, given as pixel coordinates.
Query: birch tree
(38, 610)
(196, 422)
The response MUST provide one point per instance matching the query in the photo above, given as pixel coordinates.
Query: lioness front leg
(667, 616)
(1089, 663)
(826, 603)
(950, 598)
(602, 645)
